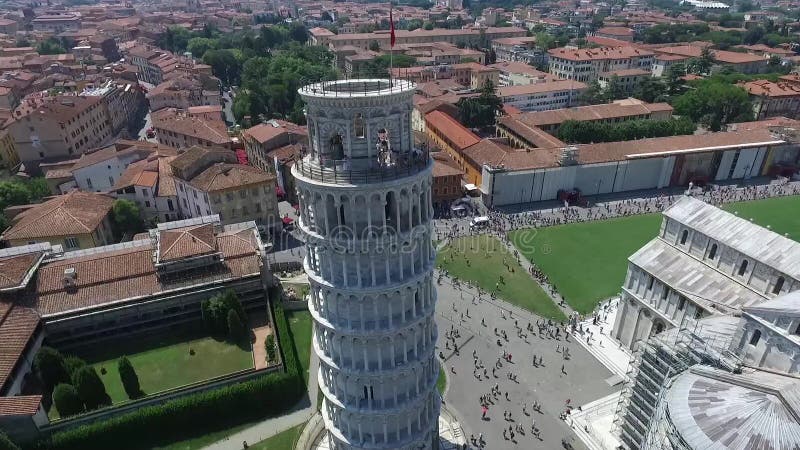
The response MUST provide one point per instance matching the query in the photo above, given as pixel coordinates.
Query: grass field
(300, 326)
(782, 214)
(170, 366)
(586, 261)
(483, 260)
(281, 441)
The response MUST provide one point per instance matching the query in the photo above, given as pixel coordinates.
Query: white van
(479, 222)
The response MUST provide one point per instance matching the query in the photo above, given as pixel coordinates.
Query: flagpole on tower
(391, 43)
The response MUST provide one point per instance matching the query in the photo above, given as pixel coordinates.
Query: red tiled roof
(17, 326)
(71, 214)
(181, 243)
(460, 136)
(23, 405)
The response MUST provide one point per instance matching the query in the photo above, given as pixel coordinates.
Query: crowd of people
(501, 222)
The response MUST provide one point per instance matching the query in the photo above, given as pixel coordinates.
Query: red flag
(391, 27)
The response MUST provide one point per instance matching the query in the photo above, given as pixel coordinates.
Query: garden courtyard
(585, 261)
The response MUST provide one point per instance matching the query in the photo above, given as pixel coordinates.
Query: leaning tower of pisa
(365, 208)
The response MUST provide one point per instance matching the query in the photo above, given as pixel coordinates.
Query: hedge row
(195, 414)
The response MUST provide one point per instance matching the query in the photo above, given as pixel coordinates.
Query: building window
(258, 207)
(684, 236)
(244, 210)
(169, 205)
(778, 285)
(755, 337)
(681, 303)
(111, 180)
(743, 268)
(229, 197)
(89, 183)
(197, 208)
(216, 199)
(650, 283)
(713, 252)
(146, 203)
(243, 193)
(71, 243)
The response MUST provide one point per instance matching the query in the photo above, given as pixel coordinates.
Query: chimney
(70, 275)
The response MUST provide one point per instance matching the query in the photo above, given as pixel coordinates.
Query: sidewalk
(299, 415)
(601, 345)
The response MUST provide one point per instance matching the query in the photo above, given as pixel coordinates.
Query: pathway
(300, 414)
(259, 350)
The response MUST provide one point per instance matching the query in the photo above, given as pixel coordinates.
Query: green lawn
(281, 441)
(782, 214)
(206, 439)
(441, 382)
(481, 259)
(300, 327)
(586, 261)
(170, 366)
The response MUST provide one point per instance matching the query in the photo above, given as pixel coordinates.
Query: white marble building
(365, 208)
(705, 261)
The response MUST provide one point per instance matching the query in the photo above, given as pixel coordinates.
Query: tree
(674, 78)
(50, 46)
(715, 104)
(651, 90)
(125, 215)
(614, 90)
(66, 400)
(375, 46)
(49, 365)
(224, 65)
(90, 388)
(428, 26)
(545, 41)
(298, 32)
(236, 329)
(481, 111)
(594, 95)
(215, 311)
(198, 46)
(130, 381)
(701, 65)
(73, 363)
(12, 194)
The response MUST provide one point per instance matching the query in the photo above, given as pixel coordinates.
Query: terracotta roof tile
(184, 242)
(70, 214)
(264, 132)
(13, 269)
(460, 136)
(23, 405)
(16, 330)
(222, 176)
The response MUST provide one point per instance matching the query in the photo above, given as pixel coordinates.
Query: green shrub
(291, 362)
(73, 363)
(66, 400)
(269, 344)
(6, 443)
(50, 365)
(90, 388)
(130, 381)
(184, 417)
(215, 312)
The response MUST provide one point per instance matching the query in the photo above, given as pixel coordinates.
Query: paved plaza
(583, 380)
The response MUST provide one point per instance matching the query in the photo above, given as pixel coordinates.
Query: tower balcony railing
(348, 171)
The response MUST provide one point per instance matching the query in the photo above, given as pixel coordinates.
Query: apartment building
(619, 33)
(179, 129)
(56, 23)
(210, 181)
(773, 99)
(9, 158)
(446, 179)
(150, 184)
(75, 220)
(154, 65)
(261, 139)
(542, 96)
(59, 127)
(125, 102)
(626, 79)
(740, 62)
(454, 36)
(184, 91)
(587, 64)
(515, 73)
(100, 169)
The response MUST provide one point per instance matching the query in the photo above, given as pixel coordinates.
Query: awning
(470, 187)
(287, 220)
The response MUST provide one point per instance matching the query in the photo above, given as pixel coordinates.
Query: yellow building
(8, 151)
(76, 220)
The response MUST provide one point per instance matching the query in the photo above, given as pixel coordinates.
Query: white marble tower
(365, 208)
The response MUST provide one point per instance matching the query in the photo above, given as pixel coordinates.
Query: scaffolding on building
(656, 362)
